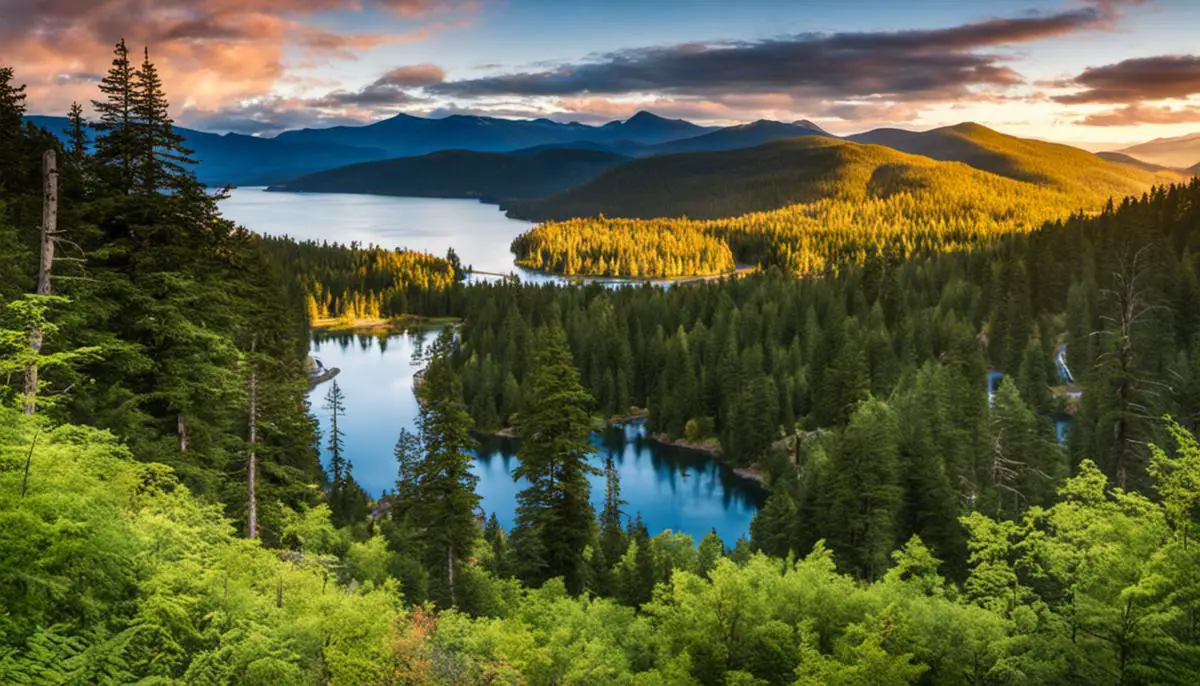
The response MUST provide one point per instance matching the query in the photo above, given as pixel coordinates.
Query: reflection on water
(671, 488)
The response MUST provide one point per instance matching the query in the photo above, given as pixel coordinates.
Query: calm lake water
(672, 488)
(479, 233)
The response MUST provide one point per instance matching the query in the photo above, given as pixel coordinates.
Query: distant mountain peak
(809, 125)
(970, 127)
(645, 116)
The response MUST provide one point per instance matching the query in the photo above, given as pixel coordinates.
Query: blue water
(479, 233)
(671, 488)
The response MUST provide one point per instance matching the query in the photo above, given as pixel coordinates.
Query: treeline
(590, 247)
(867, 203)
(355, 282)
(161, 315)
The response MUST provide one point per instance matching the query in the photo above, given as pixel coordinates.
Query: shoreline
(708, 447)
(380, 325)
(739, 272)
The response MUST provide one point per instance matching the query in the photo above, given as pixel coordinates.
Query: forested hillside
(164, 518)
(1085, 176)
(811, 204)
(493, 177)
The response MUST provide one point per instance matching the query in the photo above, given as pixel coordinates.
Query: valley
(421, 343)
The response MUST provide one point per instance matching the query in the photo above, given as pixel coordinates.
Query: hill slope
(1181, 151)
(1069, 169)
(240, 160)
(808, 168)
(464, 174)
(808, 204)
(1122, 158)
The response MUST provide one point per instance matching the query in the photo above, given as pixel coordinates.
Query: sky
(1095, 73)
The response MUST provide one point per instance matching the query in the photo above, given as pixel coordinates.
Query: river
(670, 487)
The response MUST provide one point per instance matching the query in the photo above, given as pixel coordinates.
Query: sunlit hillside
(810, 202)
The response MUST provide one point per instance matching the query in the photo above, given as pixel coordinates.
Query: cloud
(413, 76)
(933, 64)
(1136, 80)
(209, 52)
(1132, 115)
(268, 116)
(388, 90)
(273, 114)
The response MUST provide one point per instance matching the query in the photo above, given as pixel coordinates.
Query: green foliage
(113, 571)
(554, 516)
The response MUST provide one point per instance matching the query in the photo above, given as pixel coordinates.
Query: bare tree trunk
(49, 231)
(183, 434)
(252, 461)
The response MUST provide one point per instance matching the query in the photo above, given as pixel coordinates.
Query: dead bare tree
(1132, 310)
(252, 457)
(44, 286)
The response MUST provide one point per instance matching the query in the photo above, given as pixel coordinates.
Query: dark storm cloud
(904, 65)
(1136, 80)
(389, 89)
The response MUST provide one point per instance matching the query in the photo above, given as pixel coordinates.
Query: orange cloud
(1132, 115)
(209, 53)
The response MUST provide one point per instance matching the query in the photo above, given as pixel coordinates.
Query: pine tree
(162, 155)
(335, 404)
(863, 497)
(117, 143)
(408, 461)
(443, 512)
(773, 528)
(712, 548)
(554, 514)
(635, 574)
(76, 133)
(12, 112)
(1025, 464)
(612, 535)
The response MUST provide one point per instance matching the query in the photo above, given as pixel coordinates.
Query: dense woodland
(813, 205)
(353, 282)
(164, 518)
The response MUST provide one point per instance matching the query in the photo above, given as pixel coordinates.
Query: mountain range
(408, 155)
(489, 176)
(237, 159)
(874, 164)
(1179, 152)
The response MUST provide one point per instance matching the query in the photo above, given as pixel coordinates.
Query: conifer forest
(968, 385)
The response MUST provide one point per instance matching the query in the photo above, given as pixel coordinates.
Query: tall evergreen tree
(162, 155)
(444, 508)
(864, 494)
(554, 515)
(76, 133)
(335, 404)
(612, 533)
(408, 461)
(117, 142)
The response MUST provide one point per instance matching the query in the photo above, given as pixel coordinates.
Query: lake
(670, 487)
(479, 233)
